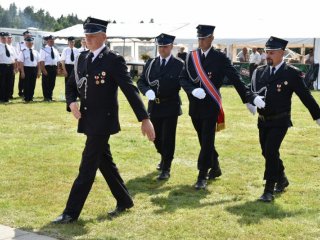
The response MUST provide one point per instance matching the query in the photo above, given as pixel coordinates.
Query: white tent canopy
(184, 32)
(229, 36)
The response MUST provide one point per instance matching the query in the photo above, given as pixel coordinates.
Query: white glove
(258, 101)
(318, 121)
(199, 93)
(251, 108)
(150, 94)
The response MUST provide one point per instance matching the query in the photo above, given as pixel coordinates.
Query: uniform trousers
(49, 81)
(96, 155)
(29, 82)
(206, 130)
(270, 141)
(20, 86)
(6, 71)
(165, 130)
(69, 69)
(11, 88)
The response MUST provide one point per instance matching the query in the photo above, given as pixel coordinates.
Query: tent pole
(124, 44)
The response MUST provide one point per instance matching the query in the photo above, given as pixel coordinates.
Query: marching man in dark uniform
(276, 82)
(159, 82)
(97, 75)
(202, 78)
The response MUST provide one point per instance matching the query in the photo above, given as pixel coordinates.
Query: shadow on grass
(184, 196)
(146, 184)
(254, 211)
(36, 100)
(66, 231)
(181, 196)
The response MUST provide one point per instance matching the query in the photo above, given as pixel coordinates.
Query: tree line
(29, 17)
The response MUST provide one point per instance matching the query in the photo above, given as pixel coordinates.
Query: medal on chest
(100, 78)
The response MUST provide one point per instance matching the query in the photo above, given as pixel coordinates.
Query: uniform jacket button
(108, 114)
(85, 108)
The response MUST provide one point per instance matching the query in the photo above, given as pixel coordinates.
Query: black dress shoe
(119, 209)
(201, 184)
(64, 219)
(281, 185)
(266, 197)
(214, 173)
(164, 175)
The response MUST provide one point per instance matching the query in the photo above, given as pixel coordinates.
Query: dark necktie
(89, 59)
(7, 51)
(163, 64)
(273, 71)
(52, 53)
(31, 55)
(203, 57)
(72, 55)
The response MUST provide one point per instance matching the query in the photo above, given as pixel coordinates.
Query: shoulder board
(114, 52)
(178, 59)
(84, 52)
(293, 67)
(262, 66)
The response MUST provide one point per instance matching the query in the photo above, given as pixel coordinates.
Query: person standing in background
(49, 58)
(68, 57)
(29, 67)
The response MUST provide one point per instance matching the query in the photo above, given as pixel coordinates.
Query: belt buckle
(157, 100)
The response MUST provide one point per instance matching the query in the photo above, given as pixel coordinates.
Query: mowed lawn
(40, 153)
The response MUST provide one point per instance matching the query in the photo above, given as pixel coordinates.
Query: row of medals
(279, 86)
(101, 76)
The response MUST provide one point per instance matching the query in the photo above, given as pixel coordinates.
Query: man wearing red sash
(202, 78)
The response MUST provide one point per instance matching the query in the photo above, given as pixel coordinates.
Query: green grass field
(40, 153)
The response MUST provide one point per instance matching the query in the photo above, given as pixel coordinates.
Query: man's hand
(65, 73)
(199, 93)
(45, 73)
(22, 75)
(150, 95)
(75, 110)
(251, 108)
(258, 101)
(147, 128)
(318, 121)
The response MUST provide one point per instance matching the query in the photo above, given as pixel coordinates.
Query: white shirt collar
(206, 52)
(96, 52)
(277, 67)
(167, 58)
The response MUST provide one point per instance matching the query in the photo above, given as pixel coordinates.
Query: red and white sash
(213, 92)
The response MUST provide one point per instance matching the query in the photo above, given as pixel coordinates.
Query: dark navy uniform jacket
(278, 93)
(217, 66)
(166, 86)
(99, 92)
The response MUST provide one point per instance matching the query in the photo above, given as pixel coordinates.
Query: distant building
(17, 35)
